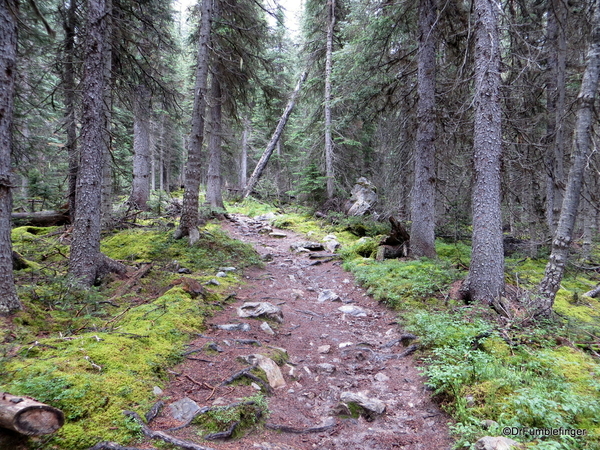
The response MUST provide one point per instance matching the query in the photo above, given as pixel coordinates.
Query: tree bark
(140, 188)
(106, 213)
(41, 218)
(422, 232)
(188, 225)
(86, 262)
(485, 282)
(27, 416)
(8, 65)
(329, 172)
(264, 159)
(244, 156)
(214, 194)
(582, 142)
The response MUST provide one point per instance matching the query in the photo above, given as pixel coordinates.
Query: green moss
(588, 311)
(496, 347)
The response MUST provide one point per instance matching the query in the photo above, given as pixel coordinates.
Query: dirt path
(330, 353)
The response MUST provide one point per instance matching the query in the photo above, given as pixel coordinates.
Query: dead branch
(137, 275)
(152, 434)
(154, 411)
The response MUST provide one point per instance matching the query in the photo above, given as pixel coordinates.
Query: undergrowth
(94, 353)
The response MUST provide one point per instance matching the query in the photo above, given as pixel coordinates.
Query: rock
(364, 197)
(277, 235)
(327, 295)
(274, 375)
(266, 217)
(345, 344)
(487, 424)
(496, 443)
(157, 391)
(234, 327)
(184, 409)
(261, 309)
(326, 367)
(227, 269)
(184, 270)
(267, 446)
(332, 246)
(221, 274)
(330, 237)
(311, 246)
(324, 349)
(372, 406)
(213, 282)
(266, 328)
(382, 377)
(353, 310)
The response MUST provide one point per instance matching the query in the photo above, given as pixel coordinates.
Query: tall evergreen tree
(8, 64)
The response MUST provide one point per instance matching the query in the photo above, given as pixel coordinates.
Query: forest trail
(330, 353)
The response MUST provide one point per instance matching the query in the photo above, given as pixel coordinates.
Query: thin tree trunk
(8, 65)
(485, 281)
(140, 188)
(188, 225)
(264, 159)
(106, 216)
(581, 147)
(214, 195)
(86, 263)
(244, 156)
(422, 232)
(329, 172)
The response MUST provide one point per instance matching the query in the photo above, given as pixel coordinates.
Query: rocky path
(343, 347)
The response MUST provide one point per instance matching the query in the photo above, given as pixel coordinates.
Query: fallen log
(28, 416)
(41, 218)
(594, 292)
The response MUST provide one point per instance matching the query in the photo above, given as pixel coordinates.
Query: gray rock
(261, 309)
(308, 245)
(266, 217)
(234, 327)
(332, 246)
(184, 270)
(363, 197)
(221, 274)
(277, 235)
(353, 310)
(330, 237)
(268, 446)
(487, 424)
(326, 367)
(157, 391)
(184, 409)
(213, 282)
(371, 404)
(274, 375)
(266, 328)
(327, 295)
(227, 269)
(496, 443)
(324, 349)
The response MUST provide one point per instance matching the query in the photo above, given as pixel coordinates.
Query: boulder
(184, 409)
(363, 199)
(261, 309)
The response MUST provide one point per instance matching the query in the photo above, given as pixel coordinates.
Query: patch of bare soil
(331, 353)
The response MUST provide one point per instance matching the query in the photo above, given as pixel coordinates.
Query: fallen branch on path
(152, 434)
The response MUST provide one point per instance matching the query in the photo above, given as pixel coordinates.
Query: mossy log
(28, 416)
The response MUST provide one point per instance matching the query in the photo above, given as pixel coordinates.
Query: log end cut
(28, 416)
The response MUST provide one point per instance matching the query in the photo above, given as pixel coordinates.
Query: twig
(152, 434)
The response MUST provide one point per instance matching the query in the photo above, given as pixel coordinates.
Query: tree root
(114, 446)
(295, 430)
(152, 434)
(154, 411)
(246, 373)
(223, 434)
(207, 409)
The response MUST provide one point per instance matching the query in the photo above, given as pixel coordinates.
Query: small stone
(255, 386)
(184, 270)
(221, 274)
(303, 246)
(330, 237)
(332, 246)
(496, 443)
(266, 217)
(326, 367)
(261, 309)
(213, 282)
(157, 391)
(274, 375)
(353, 310)
(324, 349)
(382, 377)
(234, 327)
(370, 404)
(184, 409)
(227, 269)
(277, 235)
(266, 328)
(345, 344)
(328, 295)
(487, 424)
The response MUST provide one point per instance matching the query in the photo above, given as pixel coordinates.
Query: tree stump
(396, 245)
(28, 416)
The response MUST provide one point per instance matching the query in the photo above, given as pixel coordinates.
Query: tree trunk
(41, 218)
(8, 66)
(214, 195)
(244, 156)
(264, 159)
(27, 416)
(106, 215)
(86, 263)
(422, 230)
(188, 225)
(581, 147)
(140, 188)
(69, 87)
(327, 104)
(555, 92)
(485, 282)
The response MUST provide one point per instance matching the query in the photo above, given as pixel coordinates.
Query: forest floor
(329, 353)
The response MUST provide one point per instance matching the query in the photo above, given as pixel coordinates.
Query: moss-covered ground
(95, 353)
(516, 372)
